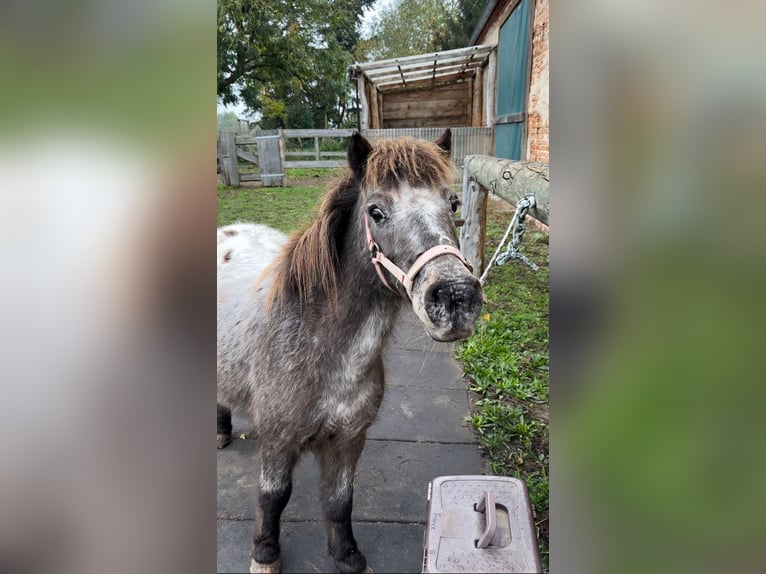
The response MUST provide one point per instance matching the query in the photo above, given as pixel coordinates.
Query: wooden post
(229, 167)
(473, 233)
(512, 180)
(489, 97)
(365, 110)
(316, 148)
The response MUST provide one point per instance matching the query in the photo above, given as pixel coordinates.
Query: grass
(506, 365)
(283, 208)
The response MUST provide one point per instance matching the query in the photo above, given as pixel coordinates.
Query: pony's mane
(416, 162)
(308, 265)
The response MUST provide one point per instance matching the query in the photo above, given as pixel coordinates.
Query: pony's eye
(376, 214)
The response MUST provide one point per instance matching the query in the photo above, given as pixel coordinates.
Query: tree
(410, 27)
(288, 59)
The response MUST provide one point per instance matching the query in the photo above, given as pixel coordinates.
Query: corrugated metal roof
(423, 69)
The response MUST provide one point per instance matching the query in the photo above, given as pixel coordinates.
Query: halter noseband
(407, 279)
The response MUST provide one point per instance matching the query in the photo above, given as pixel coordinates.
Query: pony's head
(408, 210)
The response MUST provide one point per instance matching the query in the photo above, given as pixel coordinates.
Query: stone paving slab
(389, 547)
(391, 481)
(408, 333)
(415, 368)
(422, 415)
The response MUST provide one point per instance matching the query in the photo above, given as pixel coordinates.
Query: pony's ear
(444, 141)
(358, 151)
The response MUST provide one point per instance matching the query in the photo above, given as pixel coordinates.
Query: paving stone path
(419, 435)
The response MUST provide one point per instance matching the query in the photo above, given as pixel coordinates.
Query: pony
(301, 334)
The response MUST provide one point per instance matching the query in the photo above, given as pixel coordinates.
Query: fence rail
(271, 147)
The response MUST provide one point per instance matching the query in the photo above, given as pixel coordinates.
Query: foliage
(288, 59)
(506, 363)
(410, 27)
(227, 121)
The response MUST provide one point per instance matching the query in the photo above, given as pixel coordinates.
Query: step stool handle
(487, 506)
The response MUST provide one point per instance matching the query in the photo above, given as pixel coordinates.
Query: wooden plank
(453, 78)
(374, 108)
(477, 98)
(246, 140)
(441, 105)
(379, 98)
(439, 119)
(272, 170)
(423, 123)
(310, 133)
(229, 167)
(312, 154)
(512, 180)
(473, 232)
(250, 177)
(441, 97)
(489, 107)
(364, 113)
(315, 163)
(247, 156)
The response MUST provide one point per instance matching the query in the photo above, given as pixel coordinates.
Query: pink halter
(408, 278)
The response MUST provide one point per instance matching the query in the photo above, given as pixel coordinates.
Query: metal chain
(517, 225)
(512, 252)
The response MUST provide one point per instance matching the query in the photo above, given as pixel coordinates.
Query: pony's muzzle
(453, 307)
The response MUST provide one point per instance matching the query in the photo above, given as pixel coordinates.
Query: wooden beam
(364, 110)
(489, 97)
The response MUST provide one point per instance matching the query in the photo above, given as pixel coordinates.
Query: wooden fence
(267, 155)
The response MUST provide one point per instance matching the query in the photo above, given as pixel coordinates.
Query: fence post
(473, 232)
(229, 166)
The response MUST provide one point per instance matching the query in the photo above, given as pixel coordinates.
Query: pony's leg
(337, 463)
(275, 489)
(224, 426)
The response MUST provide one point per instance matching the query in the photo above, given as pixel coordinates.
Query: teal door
(512, 70)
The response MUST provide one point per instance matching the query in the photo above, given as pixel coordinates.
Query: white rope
(499, 248)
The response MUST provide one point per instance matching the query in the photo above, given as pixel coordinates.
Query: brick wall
(537, 135)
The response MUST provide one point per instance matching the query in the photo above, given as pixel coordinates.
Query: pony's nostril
(455, 303)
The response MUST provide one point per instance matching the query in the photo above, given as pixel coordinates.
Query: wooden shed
(500, 82)
(444, 89)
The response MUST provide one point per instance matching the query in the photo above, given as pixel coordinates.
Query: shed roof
(424, 69)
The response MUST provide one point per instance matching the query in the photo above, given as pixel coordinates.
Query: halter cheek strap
(407, 279)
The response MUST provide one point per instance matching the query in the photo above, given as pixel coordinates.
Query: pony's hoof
(224, 440)
(258, 568)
